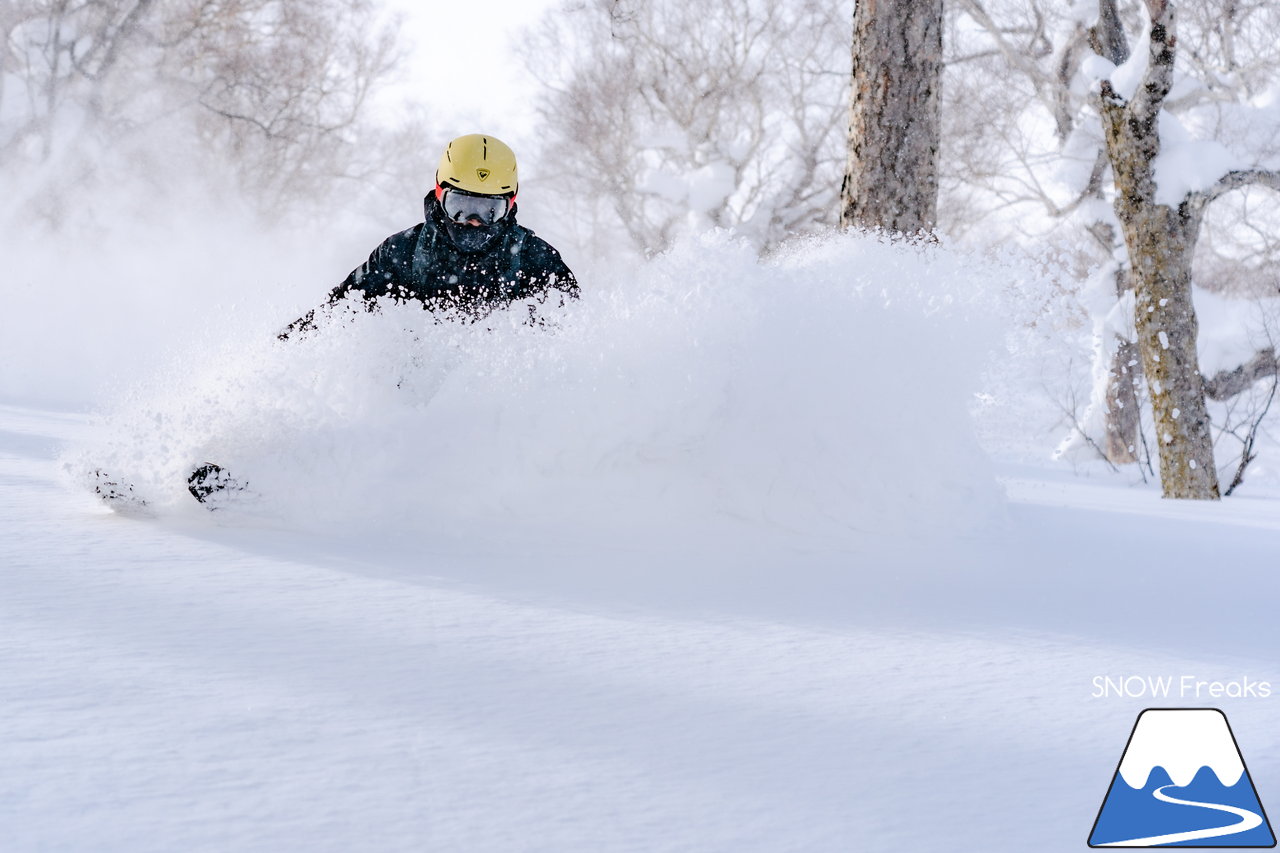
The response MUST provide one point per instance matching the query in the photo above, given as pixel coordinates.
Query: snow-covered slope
(717, 564)
(204, 684)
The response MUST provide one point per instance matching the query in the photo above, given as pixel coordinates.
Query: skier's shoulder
(389, 263)
(533, 249)
(402, 243)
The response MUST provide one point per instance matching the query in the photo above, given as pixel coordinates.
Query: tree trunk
(1160, 240)
(1120, 442)
(1167, 328)
(891, 179)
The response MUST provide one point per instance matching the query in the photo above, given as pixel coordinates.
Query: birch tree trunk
(1161, 240)
(1121, 421)
(1120, 418)
(891, 178)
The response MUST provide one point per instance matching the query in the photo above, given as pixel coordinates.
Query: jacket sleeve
(561, 277)
(548, 271)
(387, 267)
(375, 277)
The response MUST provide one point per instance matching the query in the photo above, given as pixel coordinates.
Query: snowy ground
(716, 562)
(185, 683)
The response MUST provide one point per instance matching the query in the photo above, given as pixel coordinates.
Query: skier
(467, 258)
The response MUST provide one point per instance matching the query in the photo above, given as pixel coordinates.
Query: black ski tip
(209, 480)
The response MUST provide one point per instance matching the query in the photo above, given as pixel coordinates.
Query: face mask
(471, 238)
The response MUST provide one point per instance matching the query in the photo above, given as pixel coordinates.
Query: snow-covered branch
(1226, 384)
(1238, 179)
(1107, 37)
(1158, 79)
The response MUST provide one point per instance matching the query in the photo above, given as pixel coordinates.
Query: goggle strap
(511, 199)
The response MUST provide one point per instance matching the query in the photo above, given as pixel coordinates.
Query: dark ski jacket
(423, 264)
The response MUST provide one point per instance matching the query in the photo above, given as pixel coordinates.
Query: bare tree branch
(1247, 453)
(727, 108)
(276, 85)
(1108, 37)
(1239, 179)
(1158, 79)
(1226, 384)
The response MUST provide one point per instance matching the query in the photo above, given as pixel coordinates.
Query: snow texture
(206, 683)
(1186, 165)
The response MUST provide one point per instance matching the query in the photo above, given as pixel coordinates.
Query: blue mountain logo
(1182, 783)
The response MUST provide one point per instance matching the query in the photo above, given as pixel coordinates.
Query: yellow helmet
(479, 164)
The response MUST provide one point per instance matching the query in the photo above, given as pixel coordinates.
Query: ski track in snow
(198, 684)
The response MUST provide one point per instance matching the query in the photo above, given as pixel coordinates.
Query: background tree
(664, 115)
(1030, 164)
(1160, 234)
(1161, 229)
(1057, 183)
(277, 88)
(891, 176)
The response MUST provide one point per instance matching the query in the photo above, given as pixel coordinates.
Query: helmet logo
(482, 174)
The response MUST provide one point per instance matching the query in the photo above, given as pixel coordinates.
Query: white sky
(463, 66)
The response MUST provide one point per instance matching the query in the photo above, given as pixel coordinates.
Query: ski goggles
(462, 206)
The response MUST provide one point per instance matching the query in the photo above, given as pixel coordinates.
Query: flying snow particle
(1164, 340)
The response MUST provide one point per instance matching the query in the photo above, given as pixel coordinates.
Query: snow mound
(827, 388)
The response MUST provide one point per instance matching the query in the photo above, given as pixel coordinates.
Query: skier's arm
(548, 271)
(562, 278)
(369, 280)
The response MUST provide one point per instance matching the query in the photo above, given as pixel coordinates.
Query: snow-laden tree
(891, 175)
(1027, 162)
(663, 114)
(1161, 196)
(1047, 141)
(278, 85)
